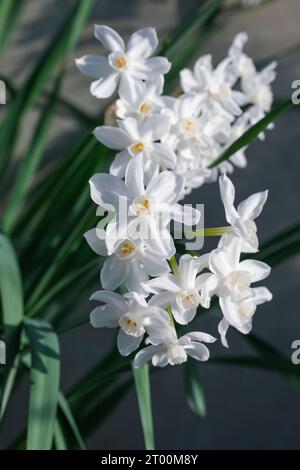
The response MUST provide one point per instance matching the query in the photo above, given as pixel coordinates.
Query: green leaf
(60, 47)
(12, 312)
(9, 13)
(66, 429)
(194, 390)
(31, 160)
(251, 134)
(44, 386)
(143, 392)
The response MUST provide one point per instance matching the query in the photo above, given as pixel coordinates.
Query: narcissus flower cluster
(164, 148)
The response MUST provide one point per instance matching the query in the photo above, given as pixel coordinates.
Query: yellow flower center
(188, 125)
(138, 148)
(141, 206)
(145, 107)
(120, 63)
(127, 248)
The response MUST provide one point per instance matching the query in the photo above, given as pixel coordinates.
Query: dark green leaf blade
(44, 387)
(142, 387)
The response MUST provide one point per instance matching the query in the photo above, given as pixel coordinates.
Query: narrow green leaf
(44, 387)
(143, 392)
(194, 390)
(251, 134)
(12, 313)
(66, 428)
(9, 13)
(31, 160)
(60, 47)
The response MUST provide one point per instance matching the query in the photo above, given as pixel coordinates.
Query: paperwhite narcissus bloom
(166, 348)
(132, 263)
(148, 100)
(130, 312)
(180, 290)
(242, 218)
(142, 213)
(212, 86)
(125, 66)
(231, 281)
(138, 137)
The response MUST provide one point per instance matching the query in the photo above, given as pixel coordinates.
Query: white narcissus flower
(167, 348)
(138, 137)
(148, 100)
(142, 213)
(130, 312)
(242, 218)
(231, 281)
(125, 66)
(241, 65)
(212, 85)
(132, 263)
(180, 290)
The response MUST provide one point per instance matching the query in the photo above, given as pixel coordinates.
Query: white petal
(134, 176)
(127, 343)
(201, 337)
(188, 269)
(112, 137)
(208, 289)
(142, 43)
(110, 298)
(197, 351)
(257, 269)
(183, 317)
(187, 80)
(155, 264)
(166, 187)
(109, 38)
(163, 299)
(136, 277)
(251, 207)
(156, 126)
(262, 295)
(231, 312)
(113, 273)
(185, 214)
(97, 244)
(104, 317)
(160, 240)
(151, 68)
(119, 164)
(106, 190)
(106, 86)
(164, 155)
(227, 195)
(144, 355)
(165, 282)
(222, 329)
(131, 88)
(94, 66)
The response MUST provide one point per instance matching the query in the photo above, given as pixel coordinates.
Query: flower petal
(113, 273)
(164, 155)
(94, 66)
(227, 195)
(144, 355)
(151, 68)
(142, 43)
(106, 190)
(104, 317)
(165, 187)
(109, 38)
(134, 176)
(197, 351)
(105, 86)
(96, 243)
(222, 329)
(257, 269)
(127, 343)
(251, 207)
(119, 164)
(112, 137)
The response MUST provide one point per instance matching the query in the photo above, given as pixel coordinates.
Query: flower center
(145, 107)
(127, 249)
(120, 62)
(131, 325)
(188, 299)
(176, 354)
(141, 206)
(137, 148)
(237, 283)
